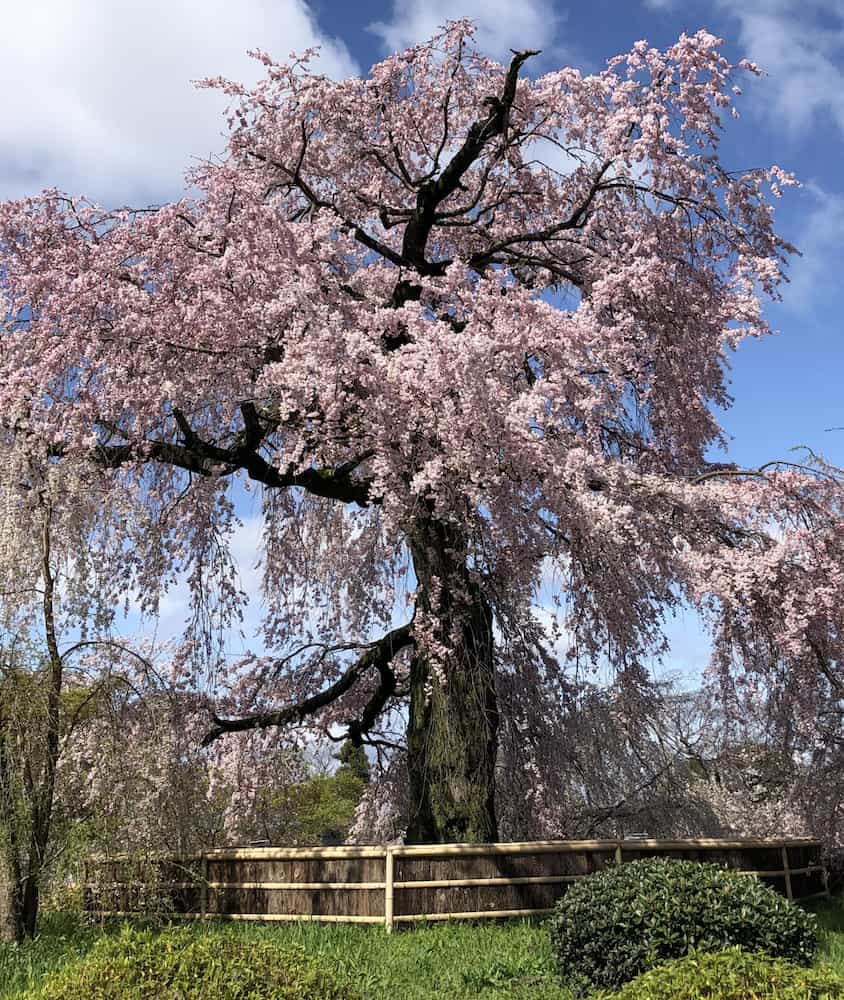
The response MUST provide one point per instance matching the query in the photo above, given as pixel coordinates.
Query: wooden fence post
(388, 890)
(293, 898)
(787, 871)
(203, 887)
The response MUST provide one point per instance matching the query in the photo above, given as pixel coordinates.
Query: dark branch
(378, 656)
(315, 202)
(206, 459)
(434, 192)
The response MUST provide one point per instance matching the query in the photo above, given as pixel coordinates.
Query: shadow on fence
(398, 884)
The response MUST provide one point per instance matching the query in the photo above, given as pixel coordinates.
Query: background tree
(47, 677)
(354, 760)
(466, 331)
(148, 786)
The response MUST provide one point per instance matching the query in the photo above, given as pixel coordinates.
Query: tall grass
(61, 940)
(454, 961)
(443, 961)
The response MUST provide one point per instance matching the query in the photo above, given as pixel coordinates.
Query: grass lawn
(438, 962)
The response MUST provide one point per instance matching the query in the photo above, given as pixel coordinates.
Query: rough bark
(11, 928)
(44, 795)
(453, 720)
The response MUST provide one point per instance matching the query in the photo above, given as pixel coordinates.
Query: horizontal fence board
(530, 846)
(471, 915)
(400, 884)
(297, 886)
(352, 870)
(289, 917)
(527, 880)
(325, 918)
(292, 853)
(558, 846)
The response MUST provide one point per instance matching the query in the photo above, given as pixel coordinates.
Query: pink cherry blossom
(466, 329)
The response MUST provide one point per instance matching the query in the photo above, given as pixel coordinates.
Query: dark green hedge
(612, 926)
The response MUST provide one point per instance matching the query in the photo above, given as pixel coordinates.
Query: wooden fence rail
(398, 884)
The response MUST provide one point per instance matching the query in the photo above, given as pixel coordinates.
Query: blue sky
(97, 99)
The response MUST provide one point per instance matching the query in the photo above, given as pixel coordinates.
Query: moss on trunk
(453, 720)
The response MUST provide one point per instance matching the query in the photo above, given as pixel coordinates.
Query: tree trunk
(29, 906)
(20, 880)
(453, 721)
(43, 796)
(11, 903)
(11, 924)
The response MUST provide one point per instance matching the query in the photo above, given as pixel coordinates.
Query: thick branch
(360, 234)
(206, 459)
(434, 192)
(378, 655)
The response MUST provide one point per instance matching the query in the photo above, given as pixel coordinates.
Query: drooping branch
(760, 472)
(358, 728)
(574, 221)
(207, 459)
(378, 655)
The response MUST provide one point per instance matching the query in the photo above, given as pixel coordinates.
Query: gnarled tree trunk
(453, 722)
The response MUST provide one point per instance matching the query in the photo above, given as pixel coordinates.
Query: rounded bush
(732, 975)
(612, 926)
(181, 964)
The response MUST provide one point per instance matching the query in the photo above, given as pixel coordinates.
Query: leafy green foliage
(323, 807)
(180, 965)
(732, 975)
(354, 759)
(611, 927)
(443, 961)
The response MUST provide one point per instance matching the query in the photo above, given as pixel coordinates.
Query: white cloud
(502, 24)
(800, 44)
(660, 4)
(813, 277)
(97, 95)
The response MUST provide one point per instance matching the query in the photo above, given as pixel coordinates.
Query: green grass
(437, 962)
(454, 961)
(60, 941)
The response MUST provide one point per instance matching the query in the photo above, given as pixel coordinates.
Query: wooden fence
(405, 883)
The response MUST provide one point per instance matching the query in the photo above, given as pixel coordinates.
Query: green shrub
(732, 975)
(181, 964)
(612, 926)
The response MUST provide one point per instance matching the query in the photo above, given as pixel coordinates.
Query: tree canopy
(467, 330)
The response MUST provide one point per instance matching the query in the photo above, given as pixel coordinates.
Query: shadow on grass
(442, 961)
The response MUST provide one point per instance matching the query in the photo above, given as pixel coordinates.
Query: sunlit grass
(456, 961)
(439, 961)
(60, 941)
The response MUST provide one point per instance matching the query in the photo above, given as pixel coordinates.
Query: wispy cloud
(502, 25)
(97, 96)
(800, 43)
(814, 277)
